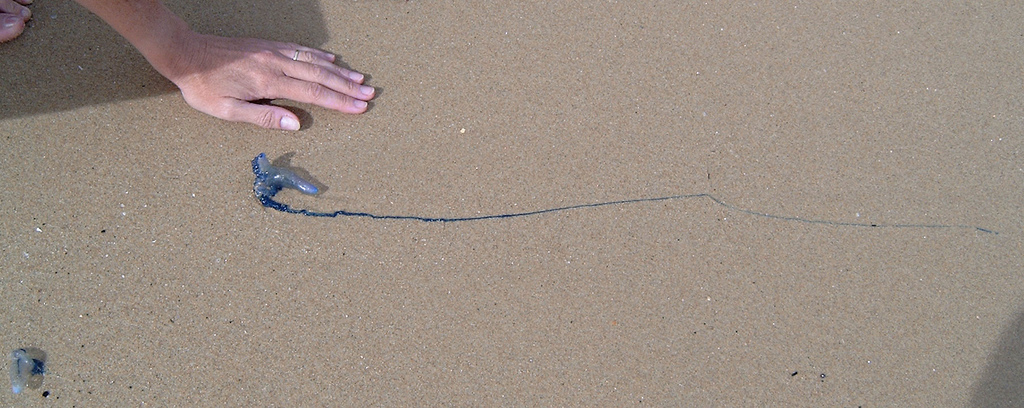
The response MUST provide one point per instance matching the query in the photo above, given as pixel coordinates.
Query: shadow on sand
(1002, 382)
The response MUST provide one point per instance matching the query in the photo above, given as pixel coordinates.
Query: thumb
(235, 110)
(268, 116)
(11, 26)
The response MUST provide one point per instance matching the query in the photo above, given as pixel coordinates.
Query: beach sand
(137, 258)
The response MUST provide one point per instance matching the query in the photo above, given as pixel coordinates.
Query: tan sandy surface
(135, 255)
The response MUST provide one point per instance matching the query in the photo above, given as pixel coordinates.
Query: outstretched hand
(221, 76)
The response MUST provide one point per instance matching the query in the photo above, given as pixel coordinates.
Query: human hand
(222, 76)
(13, 16)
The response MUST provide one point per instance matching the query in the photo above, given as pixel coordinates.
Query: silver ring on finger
(295, 57)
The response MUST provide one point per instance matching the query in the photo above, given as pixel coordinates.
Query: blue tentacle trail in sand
(271, 179)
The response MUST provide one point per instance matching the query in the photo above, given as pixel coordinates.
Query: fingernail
(355, 76)
(359, 104)
(366, 90)
(289, 123)
(26, 13)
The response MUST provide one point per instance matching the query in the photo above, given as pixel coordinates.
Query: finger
(330, 78)
(12, 8)
(317, 94)
(346, 73)
(305, 54)
(325, 60)
(11, 27)
(268, 116)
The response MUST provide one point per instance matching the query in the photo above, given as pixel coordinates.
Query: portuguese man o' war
(271, 179)
(28, 365)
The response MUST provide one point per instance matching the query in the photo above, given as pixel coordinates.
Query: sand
(136, 256)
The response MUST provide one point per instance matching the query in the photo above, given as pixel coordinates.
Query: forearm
(148, 25)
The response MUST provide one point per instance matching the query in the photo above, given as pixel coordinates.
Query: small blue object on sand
(271, 179)
(28, 365)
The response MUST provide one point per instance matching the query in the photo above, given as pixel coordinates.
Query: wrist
(163, 43)
(167, 49)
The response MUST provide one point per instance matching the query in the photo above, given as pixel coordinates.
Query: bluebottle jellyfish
(28, 365)
(271, 179)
